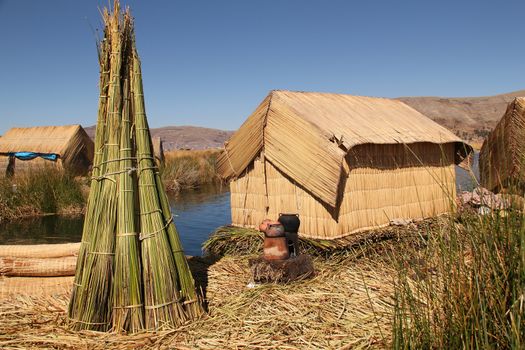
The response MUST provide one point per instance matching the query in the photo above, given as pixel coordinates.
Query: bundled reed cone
(132, 273)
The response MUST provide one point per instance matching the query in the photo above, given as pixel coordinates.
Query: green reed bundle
(155, 209)
(132, 273)
(75, 308)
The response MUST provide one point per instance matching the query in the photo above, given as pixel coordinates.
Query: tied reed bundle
(132, 273)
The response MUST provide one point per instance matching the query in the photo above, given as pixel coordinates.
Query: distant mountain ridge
(184, 137)
(471, 118)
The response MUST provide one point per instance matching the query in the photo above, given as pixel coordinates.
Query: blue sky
(210, 63)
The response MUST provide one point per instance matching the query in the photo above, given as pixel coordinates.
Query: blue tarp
(32, 155)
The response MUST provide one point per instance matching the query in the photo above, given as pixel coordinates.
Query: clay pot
(263, 226)
(291, 225)
(275, 248)
(274, 229)
(290, 222)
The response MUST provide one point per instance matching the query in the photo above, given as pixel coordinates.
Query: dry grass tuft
(232, 240)
(189, 169)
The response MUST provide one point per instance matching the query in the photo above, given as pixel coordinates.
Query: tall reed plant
(40, 191)
(466, 287)
(189, 169)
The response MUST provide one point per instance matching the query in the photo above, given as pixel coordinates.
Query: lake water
(197, 214)
(465, 180)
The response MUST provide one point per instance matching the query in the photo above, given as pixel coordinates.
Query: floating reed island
(450, 281)
(132, 274)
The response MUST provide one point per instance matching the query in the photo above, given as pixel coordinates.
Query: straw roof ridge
(41, 139)
(380, 120)
(327, 93)
(338, 139)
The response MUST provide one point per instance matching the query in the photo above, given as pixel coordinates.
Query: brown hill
(471, 118)
(184, 137)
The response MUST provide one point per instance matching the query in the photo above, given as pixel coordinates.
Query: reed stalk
(90, 308)
(98, 164)
(163, 302)
(96, 302)
(192, 301)
(127, 292)
(466, 288)
(128, 278)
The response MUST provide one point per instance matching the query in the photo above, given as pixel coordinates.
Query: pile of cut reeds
(238, 241)
(131, 273)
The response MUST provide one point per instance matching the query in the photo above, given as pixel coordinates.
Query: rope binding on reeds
(131, 272)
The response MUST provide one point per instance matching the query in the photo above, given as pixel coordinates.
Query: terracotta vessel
(275, 248)
(274, 229)
(264, 225)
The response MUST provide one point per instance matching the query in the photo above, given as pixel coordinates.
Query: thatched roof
(69, 142)
(42, 139)
(502, 156)
(306, 135)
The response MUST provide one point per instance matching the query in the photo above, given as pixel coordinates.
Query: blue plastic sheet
(32, 155)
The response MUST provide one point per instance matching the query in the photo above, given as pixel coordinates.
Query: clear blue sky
(210, 63)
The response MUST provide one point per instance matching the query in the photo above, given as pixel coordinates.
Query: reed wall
(385, 182)
(25, 166)
(502, 156)
(4, 162)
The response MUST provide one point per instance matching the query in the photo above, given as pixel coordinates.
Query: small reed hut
(65, 147)
(502, 156)
(344, 163)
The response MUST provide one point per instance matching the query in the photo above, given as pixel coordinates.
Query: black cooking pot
(290, 222)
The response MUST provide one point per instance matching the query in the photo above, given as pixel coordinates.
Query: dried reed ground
(348, 304)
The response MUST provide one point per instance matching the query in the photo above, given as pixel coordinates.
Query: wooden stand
(281, 271)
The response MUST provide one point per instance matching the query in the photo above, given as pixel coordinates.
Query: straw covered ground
(427, 284)
(348, 304)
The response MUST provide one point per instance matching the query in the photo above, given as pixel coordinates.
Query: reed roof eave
(42, 139)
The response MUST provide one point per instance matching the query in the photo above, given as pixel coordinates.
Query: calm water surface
(467, 181)
(197, 214)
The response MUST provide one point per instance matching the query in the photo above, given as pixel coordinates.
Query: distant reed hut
(158, 150)
(343, 163)
(502, 156)
(64, 147)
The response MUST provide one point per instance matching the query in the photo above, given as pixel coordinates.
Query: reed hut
(343, 163)
(63, 147)
(501, 159)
